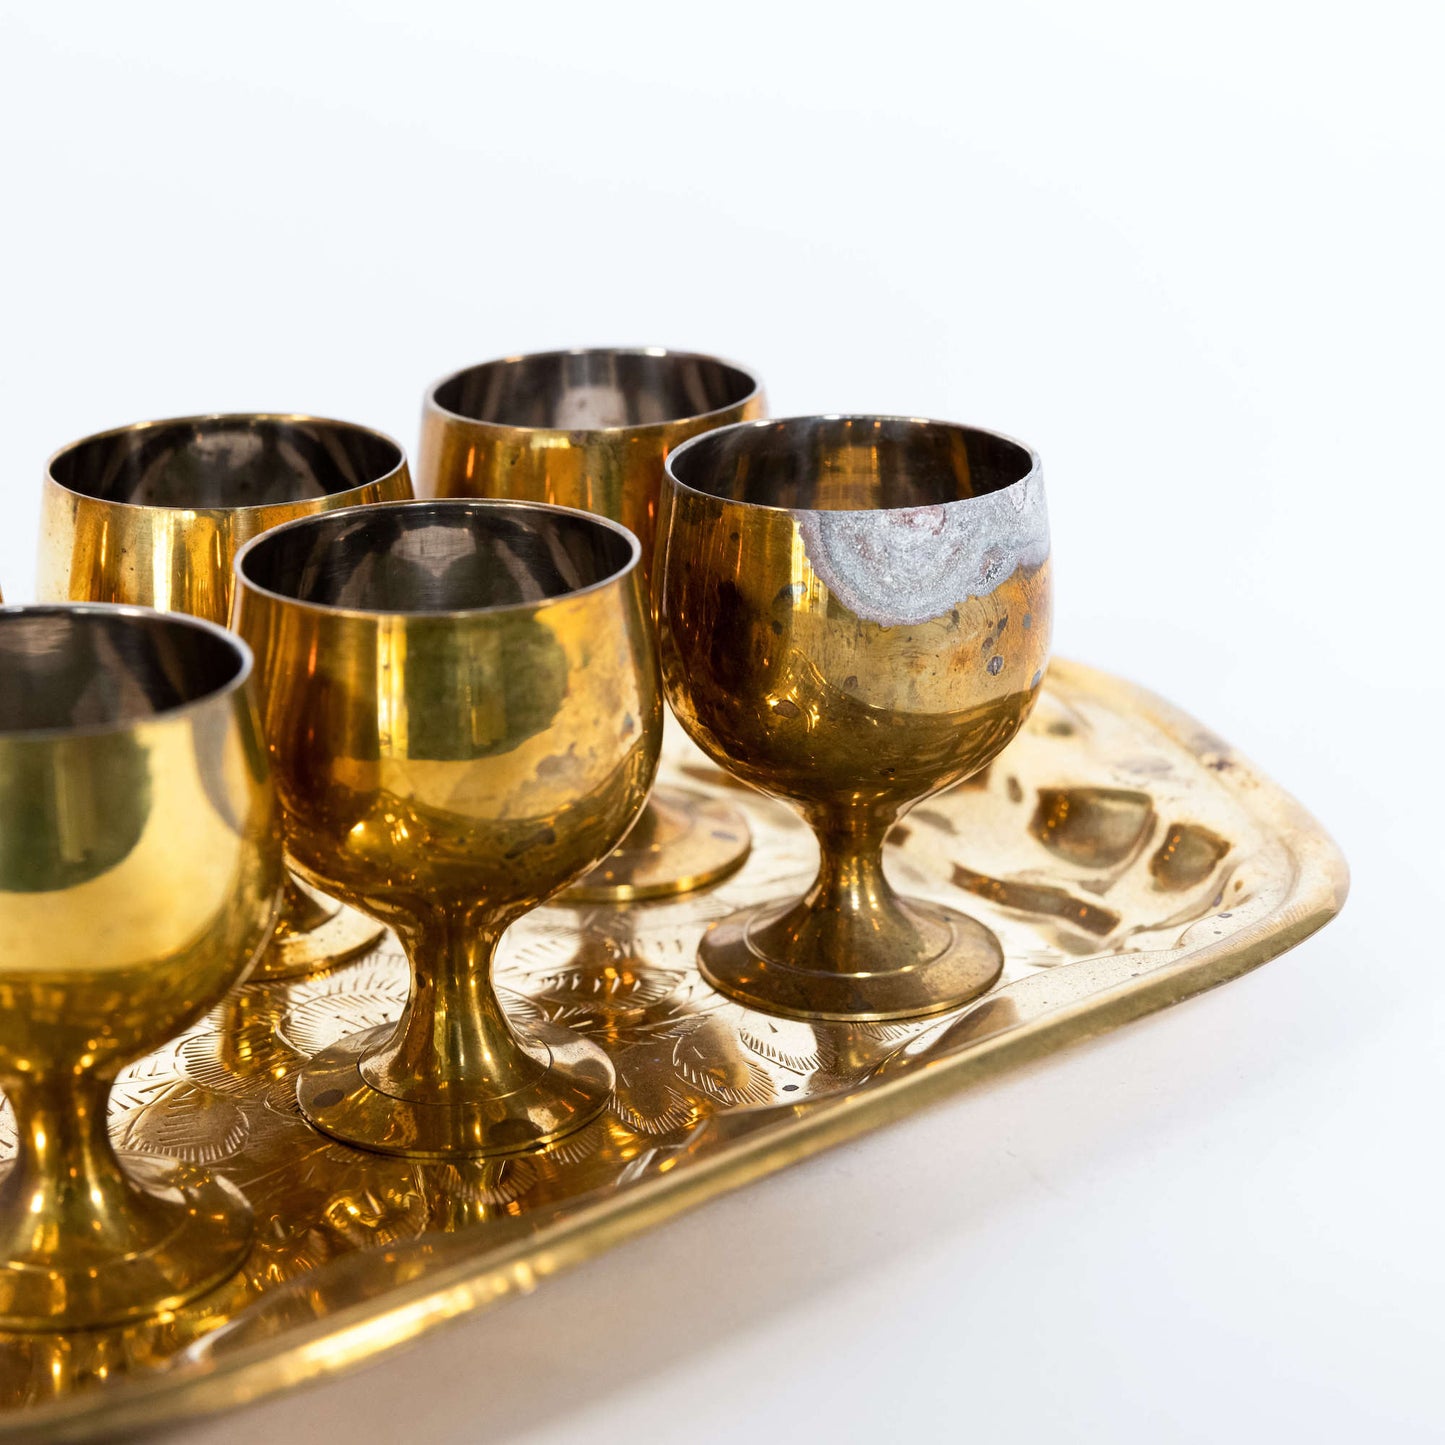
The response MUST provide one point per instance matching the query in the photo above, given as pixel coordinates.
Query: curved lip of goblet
(182, 620)
(780, 423)
(247, 418)
(455, 504)
(641, 429)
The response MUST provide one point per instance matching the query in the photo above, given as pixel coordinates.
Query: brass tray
(1125, 856)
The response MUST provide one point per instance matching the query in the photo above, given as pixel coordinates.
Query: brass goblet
(854, 614)
(139, 868)
(154, 515)
(592, 429)
(463, 711)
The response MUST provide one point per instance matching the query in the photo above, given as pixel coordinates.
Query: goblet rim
(249, 417)
(339, 515)
(245, 662)
(711, 436)
(652, 428)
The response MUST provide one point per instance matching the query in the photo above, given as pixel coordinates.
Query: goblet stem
(66, 1195)
(302, 911)
(850, 948)
(313, 933)
(850, 882)
(453, 1040)
(850, 920)
(85, 1241)
(453, 1079)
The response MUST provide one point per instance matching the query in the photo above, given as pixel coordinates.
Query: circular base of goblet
(196, 1229)
(572, 1086)
(782, 960)
(682, 841)
(325, 936)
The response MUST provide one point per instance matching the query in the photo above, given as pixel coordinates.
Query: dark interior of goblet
(61, 668)
(226, 462)
(445, 556)
(588, 390)
(841, 463)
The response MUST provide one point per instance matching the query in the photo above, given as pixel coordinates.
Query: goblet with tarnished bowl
(591, 429)
(154, 514)
(463, 711)
(854, 614)
(139, 868)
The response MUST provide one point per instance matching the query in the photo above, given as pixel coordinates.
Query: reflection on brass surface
(854, 614)
(462, 706)
(1187, 855)
(1093, 827)
(592, 429)
(356, 1252)
(138, 874)
(154, 514)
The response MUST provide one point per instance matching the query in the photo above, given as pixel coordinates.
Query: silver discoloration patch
(905, 565)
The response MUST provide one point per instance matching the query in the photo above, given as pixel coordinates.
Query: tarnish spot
(905, 565)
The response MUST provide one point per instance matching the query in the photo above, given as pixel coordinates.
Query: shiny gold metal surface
(854, 614)
(154, 514)
(1132, 858)
(139, 865)
(462, 706)
(592, 429)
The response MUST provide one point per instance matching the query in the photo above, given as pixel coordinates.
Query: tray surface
(1125, 857)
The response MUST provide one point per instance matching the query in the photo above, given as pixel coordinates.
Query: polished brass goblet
(139, 869)
(462, 706)
(854, 613)
(591, 429)
(154, 514)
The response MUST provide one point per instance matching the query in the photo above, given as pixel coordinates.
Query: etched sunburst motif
(180, 1121)
(320, 1022)
(237, 1049)
(709, 1057)
(651, 1098)
(620, 986)
(472, 1191)
(791, 1044)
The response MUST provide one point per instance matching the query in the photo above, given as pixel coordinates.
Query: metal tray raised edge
(355, 1335)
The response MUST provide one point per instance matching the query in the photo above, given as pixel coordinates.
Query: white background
(1192, 254)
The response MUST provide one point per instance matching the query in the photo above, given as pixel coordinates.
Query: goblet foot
(683, 841)
(569, 1086)
(313, 934)
(912, 960)
(187, 1232)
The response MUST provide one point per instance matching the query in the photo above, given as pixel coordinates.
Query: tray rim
(362, 1333)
